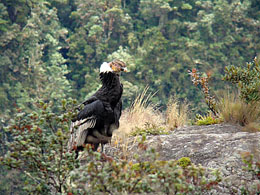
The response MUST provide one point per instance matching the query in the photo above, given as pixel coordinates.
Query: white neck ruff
(105, 68)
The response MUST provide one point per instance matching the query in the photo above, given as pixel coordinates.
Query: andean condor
(100, 115)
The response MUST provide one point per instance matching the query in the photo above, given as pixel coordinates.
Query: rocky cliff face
(216, 146)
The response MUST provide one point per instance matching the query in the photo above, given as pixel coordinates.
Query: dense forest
(52, 49)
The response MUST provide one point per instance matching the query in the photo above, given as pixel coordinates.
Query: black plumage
(100, 115)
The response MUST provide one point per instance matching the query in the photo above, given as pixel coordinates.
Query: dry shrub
(252, 127)
(176, 114)
(139, 114)
(234, 110)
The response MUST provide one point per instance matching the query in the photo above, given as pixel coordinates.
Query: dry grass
(252, 127)
(234, 110)
(140, 113)
(176, 114)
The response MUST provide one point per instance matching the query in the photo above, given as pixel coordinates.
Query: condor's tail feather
(79, 131)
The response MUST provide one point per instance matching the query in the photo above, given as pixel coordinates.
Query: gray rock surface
(216, 146)
(206, 145)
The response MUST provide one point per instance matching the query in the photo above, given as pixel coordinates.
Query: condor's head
(116, 66)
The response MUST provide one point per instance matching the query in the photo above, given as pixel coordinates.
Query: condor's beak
(124, 69)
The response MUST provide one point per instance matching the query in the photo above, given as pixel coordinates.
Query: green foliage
(184, 162)
(31, 64)
(4, 20)
(37, 146)
(159, 39)
(12, 181)
(149, 129)
(186, 6)
(246, 78)
(155, 11)
(138, 166)
(105, 175)
(252, 166)
(207, 120)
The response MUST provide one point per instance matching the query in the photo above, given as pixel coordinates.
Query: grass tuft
(141, 113)
(176, 114)
(234, 110)
(252, 127)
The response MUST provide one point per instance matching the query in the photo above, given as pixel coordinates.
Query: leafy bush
(243, 111)
(37, 146)
(252, 166)
(247, 79)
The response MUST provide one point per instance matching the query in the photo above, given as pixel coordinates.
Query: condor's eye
(124, 69)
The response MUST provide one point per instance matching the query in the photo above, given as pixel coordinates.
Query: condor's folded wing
(85, 120)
